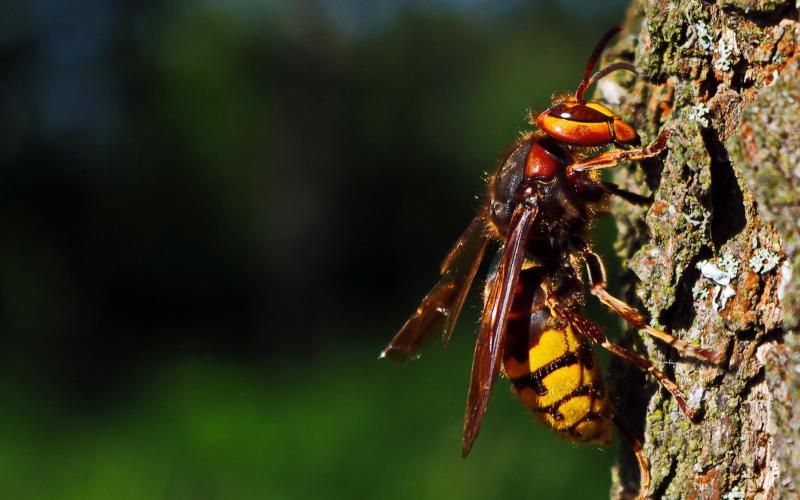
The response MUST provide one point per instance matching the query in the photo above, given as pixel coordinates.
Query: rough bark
(716, 258)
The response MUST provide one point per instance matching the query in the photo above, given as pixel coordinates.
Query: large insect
(540, 201)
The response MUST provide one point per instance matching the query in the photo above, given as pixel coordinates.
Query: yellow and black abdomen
(553, 369)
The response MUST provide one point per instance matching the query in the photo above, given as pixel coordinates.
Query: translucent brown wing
(446, 298)
(485, 363)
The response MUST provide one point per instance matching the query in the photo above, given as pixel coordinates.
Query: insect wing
(491, 335)
(446, 298)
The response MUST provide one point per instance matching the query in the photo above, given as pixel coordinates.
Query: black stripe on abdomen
(534, 380)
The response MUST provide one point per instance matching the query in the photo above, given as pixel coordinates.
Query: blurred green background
(215, 214)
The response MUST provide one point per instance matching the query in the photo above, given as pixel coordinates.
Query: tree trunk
(716, 258)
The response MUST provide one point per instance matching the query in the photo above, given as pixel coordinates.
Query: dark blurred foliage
(267, 187)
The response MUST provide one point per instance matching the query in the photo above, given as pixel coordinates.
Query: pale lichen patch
(699, 113)
(725, 51)
(721, 274)
(763, 261)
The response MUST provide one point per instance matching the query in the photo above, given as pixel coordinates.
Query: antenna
(592, 62)
(610, 69)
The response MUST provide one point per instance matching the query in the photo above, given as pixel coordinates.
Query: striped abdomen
(553, 369)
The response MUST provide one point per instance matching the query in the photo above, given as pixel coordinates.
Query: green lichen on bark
(724, 80)
(768, 151)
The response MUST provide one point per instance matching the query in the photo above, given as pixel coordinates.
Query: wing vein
(491, 335)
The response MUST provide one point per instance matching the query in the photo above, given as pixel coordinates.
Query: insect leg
(630, 197)
(613, 157)
(596, 335)
(597, 277)
(636, 447)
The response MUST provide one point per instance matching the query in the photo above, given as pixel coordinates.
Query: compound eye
(578, 113)
(599, 107)
(576, 124)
